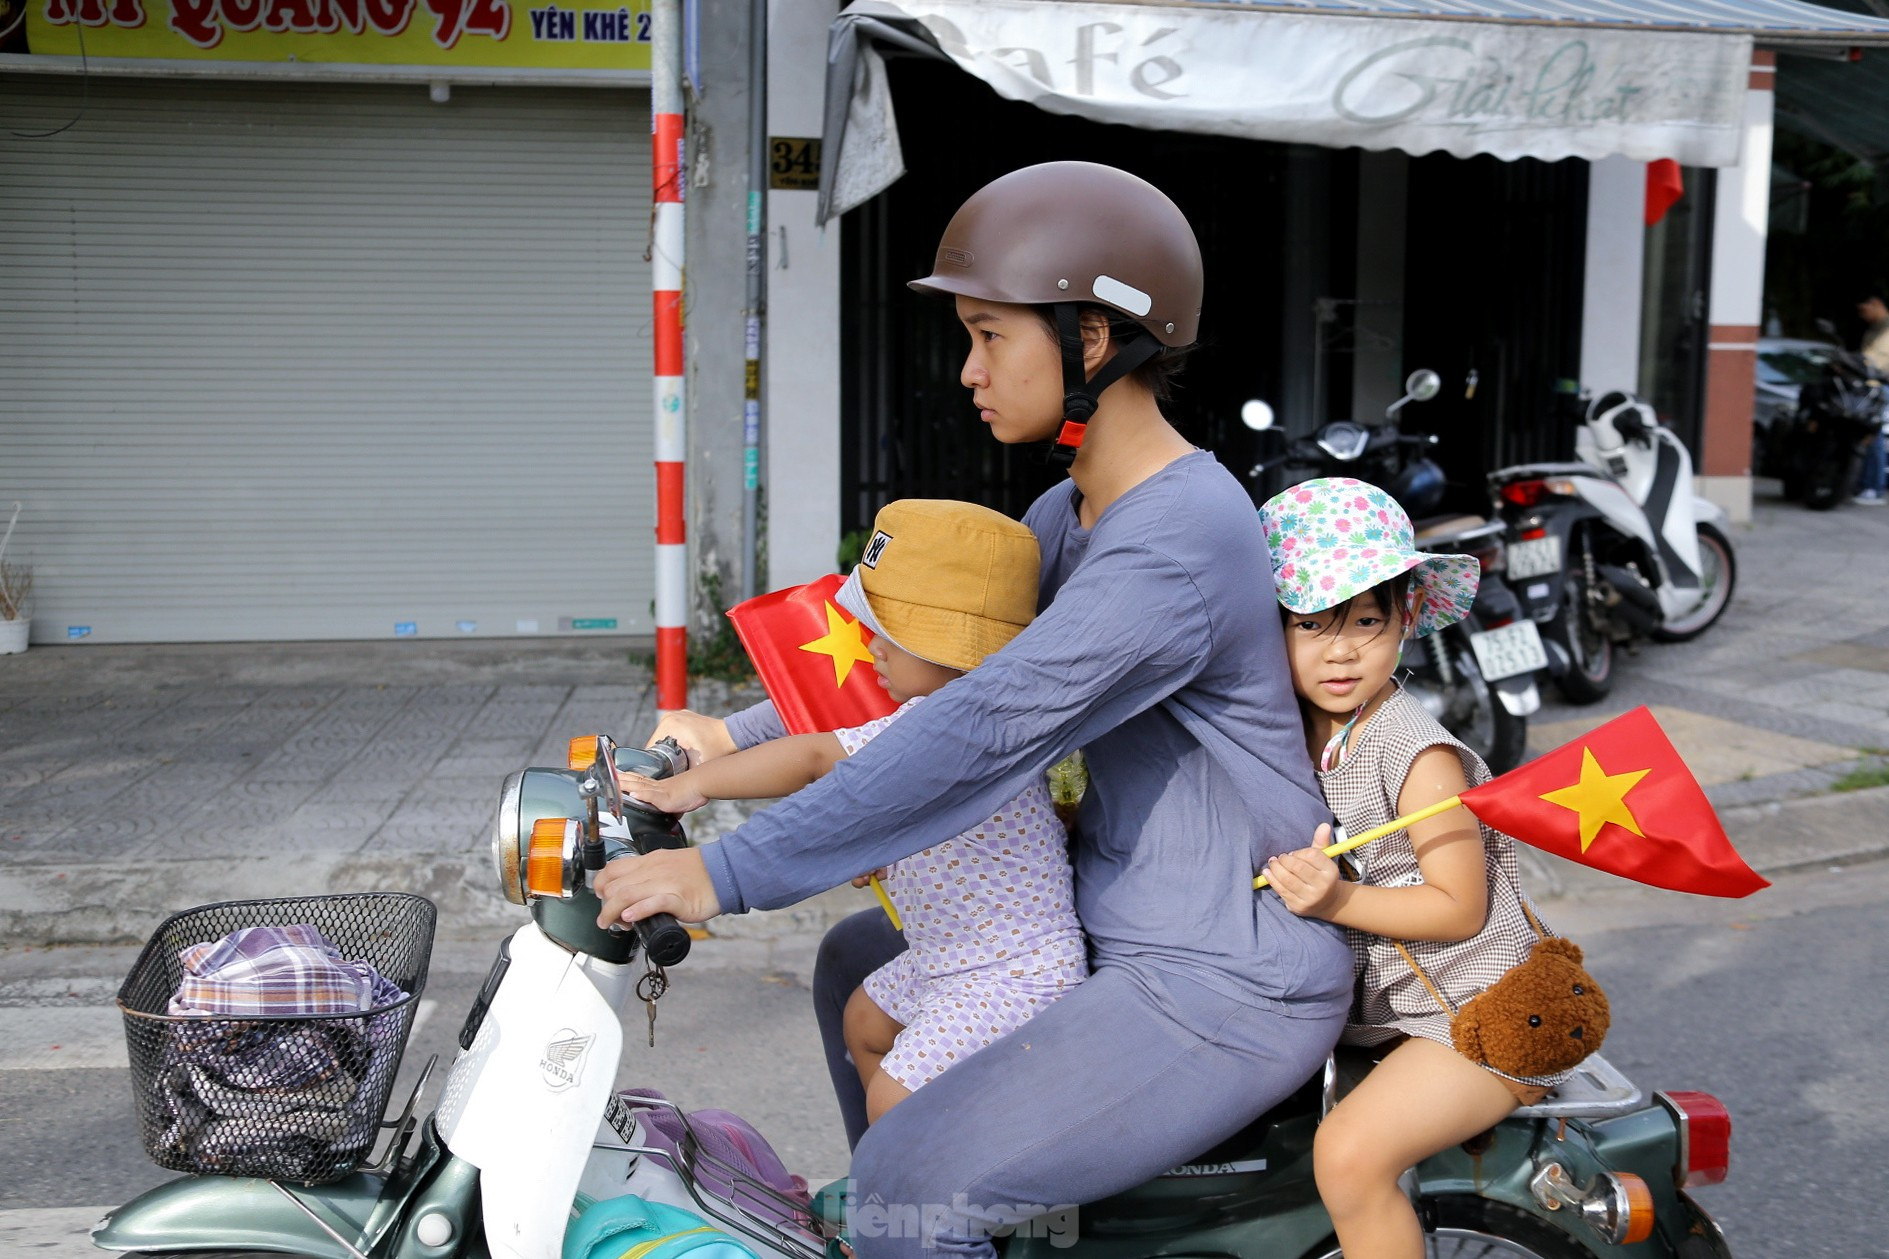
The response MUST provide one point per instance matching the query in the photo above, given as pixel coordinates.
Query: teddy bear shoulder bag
(1542, 1017)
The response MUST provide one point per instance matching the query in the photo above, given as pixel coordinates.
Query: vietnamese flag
(812, 658)
(1665, 184)
(1619, 799)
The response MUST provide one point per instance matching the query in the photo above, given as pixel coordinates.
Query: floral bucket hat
(1337, 537)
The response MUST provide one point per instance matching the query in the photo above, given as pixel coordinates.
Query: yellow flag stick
(1379, 832)
(885, 903)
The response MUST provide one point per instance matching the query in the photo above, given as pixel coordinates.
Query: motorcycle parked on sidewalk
(1818, 452)
(1615, 548)
(1477, 677)
(528, 1134)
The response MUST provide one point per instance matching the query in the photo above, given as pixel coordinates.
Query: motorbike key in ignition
(650, 988)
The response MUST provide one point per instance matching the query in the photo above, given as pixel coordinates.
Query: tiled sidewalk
(135, 780)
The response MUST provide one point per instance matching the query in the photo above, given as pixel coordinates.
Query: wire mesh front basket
(289, 1098)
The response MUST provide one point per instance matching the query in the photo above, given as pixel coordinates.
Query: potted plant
(16, 596)
(16, 605)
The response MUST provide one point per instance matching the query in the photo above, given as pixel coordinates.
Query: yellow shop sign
(573, 35)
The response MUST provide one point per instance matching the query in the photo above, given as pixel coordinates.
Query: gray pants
(1133, 1073)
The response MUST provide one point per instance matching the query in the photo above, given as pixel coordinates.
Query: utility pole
(671, 413)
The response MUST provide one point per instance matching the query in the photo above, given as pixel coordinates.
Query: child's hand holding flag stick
(1619, 799)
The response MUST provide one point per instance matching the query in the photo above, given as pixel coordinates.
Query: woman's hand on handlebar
(703, 737)
(865, 880)
(671, 795)
(666, 881)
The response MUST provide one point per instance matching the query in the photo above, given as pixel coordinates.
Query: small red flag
(812, 658)
(1665, 184)
(1619, 799)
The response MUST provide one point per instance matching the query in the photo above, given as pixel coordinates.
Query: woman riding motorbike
(1158, 651)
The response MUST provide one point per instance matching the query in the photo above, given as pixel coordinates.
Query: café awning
(1547, 79)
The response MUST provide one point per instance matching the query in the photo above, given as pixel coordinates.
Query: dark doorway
(1495, 258)
(907, 428)
(1675, 326)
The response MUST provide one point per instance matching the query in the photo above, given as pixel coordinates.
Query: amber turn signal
(551, 842)
(582, 753)
(1639, 1208)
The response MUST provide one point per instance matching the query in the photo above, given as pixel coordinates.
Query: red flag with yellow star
(1619, 799)
(812, 658)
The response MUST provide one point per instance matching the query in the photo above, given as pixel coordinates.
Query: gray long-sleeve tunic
(1159, 651)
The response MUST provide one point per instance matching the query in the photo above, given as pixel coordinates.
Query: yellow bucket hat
(949, 582)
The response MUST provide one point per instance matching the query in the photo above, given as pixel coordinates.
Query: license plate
(1503, 653)
(1536, 557)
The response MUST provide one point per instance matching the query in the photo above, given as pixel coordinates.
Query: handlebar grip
(665, 941)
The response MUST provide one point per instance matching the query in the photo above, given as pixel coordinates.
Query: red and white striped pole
(666, 181)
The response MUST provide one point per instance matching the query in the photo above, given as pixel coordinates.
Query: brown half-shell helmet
(1068, 234)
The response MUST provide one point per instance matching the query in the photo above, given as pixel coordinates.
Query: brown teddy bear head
(1541, 1018)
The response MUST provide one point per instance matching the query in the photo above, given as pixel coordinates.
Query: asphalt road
(1772, 1003)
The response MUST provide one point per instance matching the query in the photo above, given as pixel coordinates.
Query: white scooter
(1615, 548)
(495, 1171)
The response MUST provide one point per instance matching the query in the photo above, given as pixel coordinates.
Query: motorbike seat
(1256, 1160)
(1439, 532)
(1540, 471)
(1447, 524)
(1247, 1165)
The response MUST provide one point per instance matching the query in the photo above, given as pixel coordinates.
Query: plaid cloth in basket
(237, 1093)
(285, 970)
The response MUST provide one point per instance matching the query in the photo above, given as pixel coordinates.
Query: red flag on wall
(1664, 186)
(1619, 799)
(812, 658)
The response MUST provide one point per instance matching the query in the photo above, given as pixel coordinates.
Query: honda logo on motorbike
(563, 1062)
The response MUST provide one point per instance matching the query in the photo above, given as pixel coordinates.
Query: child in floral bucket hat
(1442, 895)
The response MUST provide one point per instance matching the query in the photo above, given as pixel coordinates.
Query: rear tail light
(1530, 493)
(1532, 535)
(1524, 493)
(1705, 1137)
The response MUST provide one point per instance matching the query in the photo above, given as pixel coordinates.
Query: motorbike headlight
(535, 833)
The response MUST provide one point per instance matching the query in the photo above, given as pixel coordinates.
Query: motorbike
(1613, 548)
(1819, 452)
(527, 1132)
(1476, 677)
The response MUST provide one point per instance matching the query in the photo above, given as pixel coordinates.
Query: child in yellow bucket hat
(989, 914)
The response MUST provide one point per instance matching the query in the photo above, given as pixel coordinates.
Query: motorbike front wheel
(1469, 707)
(1830, 482)
(1476, 1228)
(1589, 648)
(1718, 575)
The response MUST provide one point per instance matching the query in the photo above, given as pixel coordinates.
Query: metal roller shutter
(297, 361)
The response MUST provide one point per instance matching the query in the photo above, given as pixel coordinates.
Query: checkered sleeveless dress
(1362, 792)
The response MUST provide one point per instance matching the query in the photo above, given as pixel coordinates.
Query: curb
(120, 902)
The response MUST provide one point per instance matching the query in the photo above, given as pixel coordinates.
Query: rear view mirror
(1423, 385)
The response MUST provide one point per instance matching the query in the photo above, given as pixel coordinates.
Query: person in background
(1875, 350)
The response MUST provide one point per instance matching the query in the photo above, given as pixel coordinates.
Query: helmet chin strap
(1081, 392)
